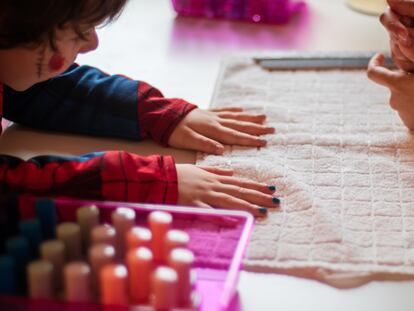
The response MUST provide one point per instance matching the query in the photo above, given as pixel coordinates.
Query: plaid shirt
(84, 100)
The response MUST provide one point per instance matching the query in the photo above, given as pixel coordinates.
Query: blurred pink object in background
(257, 11)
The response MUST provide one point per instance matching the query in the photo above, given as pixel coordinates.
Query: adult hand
(210, 187)
(208, 130)
(401, 39)
(400, 84)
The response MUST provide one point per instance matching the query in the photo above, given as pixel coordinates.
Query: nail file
(315, 63)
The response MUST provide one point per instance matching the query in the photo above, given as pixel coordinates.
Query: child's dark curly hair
(31, 22)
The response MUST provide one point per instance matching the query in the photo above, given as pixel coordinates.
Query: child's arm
(112, 175)
(85, 100)
(121, 176)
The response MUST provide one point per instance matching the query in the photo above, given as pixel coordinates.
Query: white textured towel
(343, 164)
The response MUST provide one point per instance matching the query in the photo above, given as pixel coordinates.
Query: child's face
(22, 67)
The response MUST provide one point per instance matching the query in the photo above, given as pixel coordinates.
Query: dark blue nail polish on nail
(276, 200)
(263, 210)
(271, 188)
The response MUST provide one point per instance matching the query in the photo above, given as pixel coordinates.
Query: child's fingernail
(219, 149)
(276, 200)
(271, 188)
(263, 211)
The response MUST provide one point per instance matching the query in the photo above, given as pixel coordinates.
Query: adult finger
(230, 109)
(394, 26)
(255, 118)
(244, 183)
(217, 170)
(379, 74)
(394, 102)
(249, 195)
(247, 127)
(399, 59)
(402, 7)
(226, 201)
(407, 21)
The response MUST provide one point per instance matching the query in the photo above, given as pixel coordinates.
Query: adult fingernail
(407, 42)
(404, 37)
(271, 188)
(276, 200)
(262, 142)
(263, 210)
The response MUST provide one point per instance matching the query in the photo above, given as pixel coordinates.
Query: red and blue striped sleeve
(111, 175)
(85, 100)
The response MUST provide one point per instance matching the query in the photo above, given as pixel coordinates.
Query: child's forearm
(112, 175)
(85, 100)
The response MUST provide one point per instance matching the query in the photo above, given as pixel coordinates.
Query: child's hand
(215, 187)
(401, 86)
(208, 130)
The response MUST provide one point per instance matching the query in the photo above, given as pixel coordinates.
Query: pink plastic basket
(218, 240)
(257, 11)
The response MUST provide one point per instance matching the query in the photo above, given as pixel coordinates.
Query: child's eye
(77, 39)
(83, 35)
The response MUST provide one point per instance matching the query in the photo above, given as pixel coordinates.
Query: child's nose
(91, 43)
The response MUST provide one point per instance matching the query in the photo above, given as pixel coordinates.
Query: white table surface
(181, 56)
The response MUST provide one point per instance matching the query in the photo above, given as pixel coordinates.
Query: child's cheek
(56, 62)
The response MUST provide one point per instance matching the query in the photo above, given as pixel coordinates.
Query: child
(42, 87)
(399, 21)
